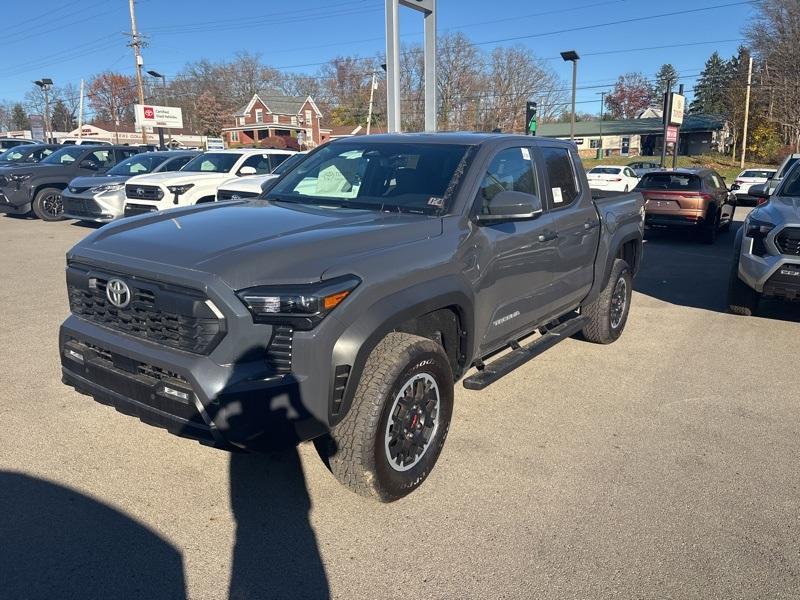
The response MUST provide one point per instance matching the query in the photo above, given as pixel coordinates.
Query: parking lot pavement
(662, 466)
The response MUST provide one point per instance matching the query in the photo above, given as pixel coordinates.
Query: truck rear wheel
(47, 205)
(608, 313)
(390, 440)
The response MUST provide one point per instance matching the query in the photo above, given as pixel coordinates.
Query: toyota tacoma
(343, 304)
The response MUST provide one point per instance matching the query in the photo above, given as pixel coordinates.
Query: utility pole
(667, 107)
(746, 112)
(136, 44)
(44, 84)
(602, 106)
(80, 114)
(371, 98)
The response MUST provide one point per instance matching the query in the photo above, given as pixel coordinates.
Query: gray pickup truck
(343, 304)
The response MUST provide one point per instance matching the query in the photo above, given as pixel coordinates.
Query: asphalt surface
(662, 466)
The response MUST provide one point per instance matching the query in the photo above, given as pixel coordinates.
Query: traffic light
(530, 118)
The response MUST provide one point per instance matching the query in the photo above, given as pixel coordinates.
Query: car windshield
(212, 162)
(604, 171)
(65, 156)
(669, 181)
(757, 174)
(289, 163)
(17, 153)
(405, 177)
(138, 164)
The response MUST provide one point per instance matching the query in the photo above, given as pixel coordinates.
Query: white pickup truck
(198, 180)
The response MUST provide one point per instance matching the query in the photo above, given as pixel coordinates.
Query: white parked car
(612, 178)
(251, 186)
(642, 167)
(197, 182)
(747, 179)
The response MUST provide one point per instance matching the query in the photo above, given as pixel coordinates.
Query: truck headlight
(111, 187)
(180, 189)
(758, 230)
(301, 306)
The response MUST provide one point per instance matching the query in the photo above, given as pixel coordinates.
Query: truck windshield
(791, 184)
(405, 177)
(17, 153)
(65, 156)
(212, 162)
(669, 181)
(138, 164)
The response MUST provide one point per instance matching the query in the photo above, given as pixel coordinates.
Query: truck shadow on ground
(58, 543)
(678, 269)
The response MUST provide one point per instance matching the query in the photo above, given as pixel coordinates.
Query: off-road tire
(42, 204)
(355, 451)
(742, 299)
(605, 324)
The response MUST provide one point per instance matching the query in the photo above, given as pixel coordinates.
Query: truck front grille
(144, 192)
(230, 195)
(788, 241)
(172, 317)
(131, 210)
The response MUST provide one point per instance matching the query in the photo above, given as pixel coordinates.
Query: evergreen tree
(665, 73)
(19, 119)
(710, 90)
(62, 118)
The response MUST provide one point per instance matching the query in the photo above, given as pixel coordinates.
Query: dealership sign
(149, 115)
(676, 109)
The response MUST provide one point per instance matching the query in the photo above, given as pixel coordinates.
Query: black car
(35, 189)
(27, 153)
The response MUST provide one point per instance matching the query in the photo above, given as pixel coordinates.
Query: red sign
(149, 112)
(672, 134)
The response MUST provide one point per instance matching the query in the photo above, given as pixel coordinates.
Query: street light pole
(45, 83)
(158, 75)
(572, 56)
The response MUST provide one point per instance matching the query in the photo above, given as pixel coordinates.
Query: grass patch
(724, 165)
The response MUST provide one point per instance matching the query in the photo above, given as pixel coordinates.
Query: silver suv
(768, 248)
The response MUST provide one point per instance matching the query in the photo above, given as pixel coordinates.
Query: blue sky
(67, 40)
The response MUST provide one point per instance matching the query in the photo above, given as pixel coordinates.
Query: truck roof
(464, 138)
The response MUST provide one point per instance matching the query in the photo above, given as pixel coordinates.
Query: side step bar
(522, 354)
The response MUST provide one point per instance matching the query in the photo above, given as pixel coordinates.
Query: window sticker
(437, 202)
(526, 154)
(557, 197)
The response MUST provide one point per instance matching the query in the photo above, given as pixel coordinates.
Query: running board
(522, 354)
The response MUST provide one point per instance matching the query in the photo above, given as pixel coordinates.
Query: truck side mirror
(760, 191)
(247, 171)
(511, 206)
(89, 164)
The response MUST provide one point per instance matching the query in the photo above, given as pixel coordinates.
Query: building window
(241, 120)
(294, 120)
(308, 118)
(234, 136)
(275, 119)
(594, 143)
(259, 115)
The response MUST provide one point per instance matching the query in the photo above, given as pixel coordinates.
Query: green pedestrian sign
(530, 117)
(532, 126)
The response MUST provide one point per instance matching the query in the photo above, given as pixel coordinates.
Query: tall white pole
(371, 98)
(392, 66)
(746, 112)
(80, 114)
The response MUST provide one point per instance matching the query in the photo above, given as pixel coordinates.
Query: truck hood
(38, 169)
(88, 182)
(247, 183)
(256, 242)
(781, 210)
(177, 178)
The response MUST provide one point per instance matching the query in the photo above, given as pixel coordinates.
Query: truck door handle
(547, 236)
(590, 224)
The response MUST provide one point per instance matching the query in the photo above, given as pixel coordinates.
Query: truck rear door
(575, 221)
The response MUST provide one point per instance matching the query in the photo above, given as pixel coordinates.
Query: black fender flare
(357, 341)
(604, 264)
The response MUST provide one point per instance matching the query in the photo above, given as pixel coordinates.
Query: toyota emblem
(140, 191)
(118, 293)
(235, 197)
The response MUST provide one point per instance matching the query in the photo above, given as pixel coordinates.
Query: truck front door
(512, 260)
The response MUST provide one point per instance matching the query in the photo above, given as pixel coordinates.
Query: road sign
(672, 134)
(149, 115)
(215, 143)
(37, 127)
(676, 109)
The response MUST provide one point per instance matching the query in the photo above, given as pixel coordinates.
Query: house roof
(350, 130)
(691, 124)
(276, 103)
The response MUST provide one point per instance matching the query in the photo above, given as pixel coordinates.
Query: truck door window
(276, 159)
(510, 170)
(561, 173)
(260, 162)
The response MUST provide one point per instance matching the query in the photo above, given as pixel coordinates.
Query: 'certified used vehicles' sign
(149, 115)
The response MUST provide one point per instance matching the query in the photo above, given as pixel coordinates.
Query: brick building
(271, 114)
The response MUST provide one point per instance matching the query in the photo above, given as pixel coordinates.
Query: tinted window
(563, 184)
(289, 163)
(788, 166)
(604, 171)
(759, 174)
(276, 159)
(791, 184)
(176, 164)
(716, 181)
(403, 176)
(102, 158)
(669, 181)
(511, 170)
(260, 162)
(137, 165)
(64, 156)
(213, 162)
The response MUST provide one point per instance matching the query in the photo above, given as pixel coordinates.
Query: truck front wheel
(742, 299)
(390, 440)
(608, 313)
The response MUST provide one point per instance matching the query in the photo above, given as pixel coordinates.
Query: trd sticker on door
(505, 319)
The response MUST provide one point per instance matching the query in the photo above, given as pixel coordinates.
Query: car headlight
(301, 306)
(111, 187)
(180, 189)
(758, 230)
(19, 177)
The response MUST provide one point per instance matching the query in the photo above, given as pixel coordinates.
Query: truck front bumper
(240, 406)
